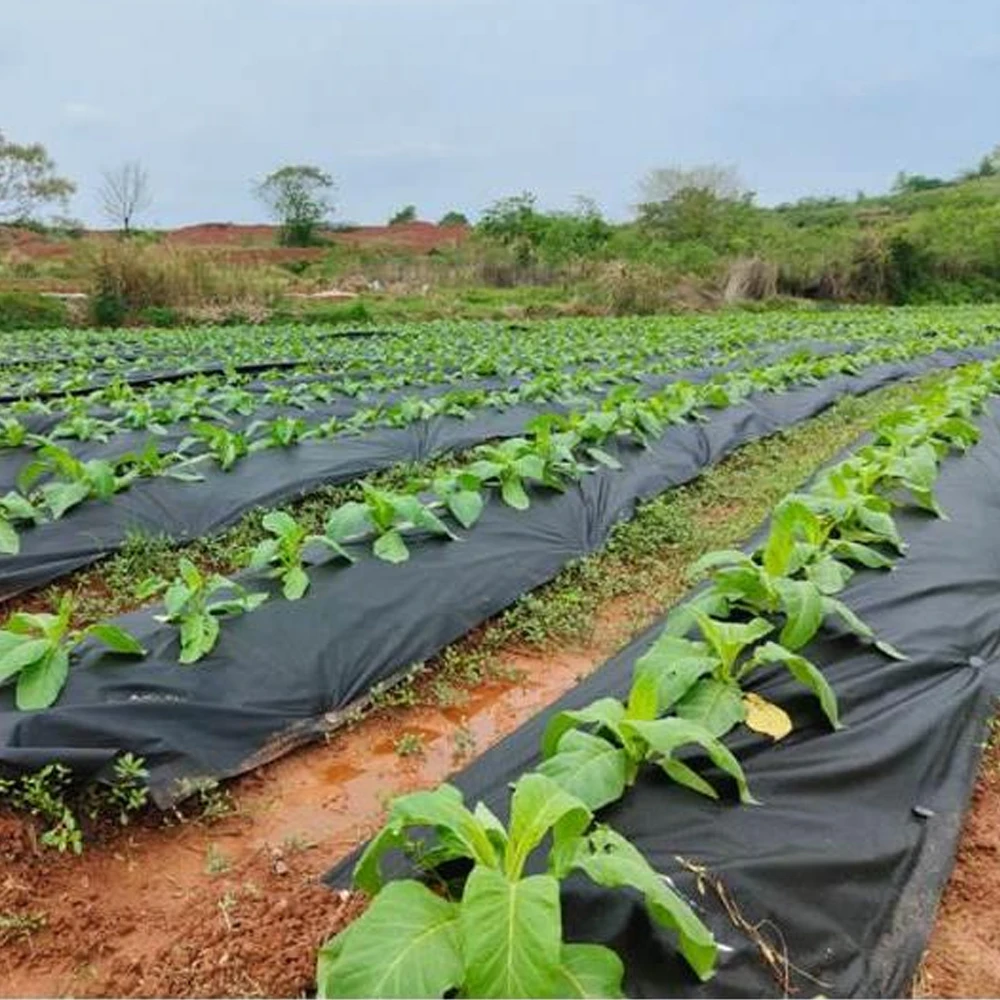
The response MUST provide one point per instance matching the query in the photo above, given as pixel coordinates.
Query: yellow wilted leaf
(765, 717)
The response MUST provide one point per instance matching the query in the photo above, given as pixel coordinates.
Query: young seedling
(36, 650)
(189, 605)
(96, 479)
(387, 515)
(282, 554)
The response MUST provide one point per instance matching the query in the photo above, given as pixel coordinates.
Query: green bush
(160, 316)
(31, 311)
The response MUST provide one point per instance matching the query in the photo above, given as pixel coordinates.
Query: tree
(28, 180)
(453, 218)
(297, 196)
(907, 183)
(124, 193)
(404, 215)
(666, 183)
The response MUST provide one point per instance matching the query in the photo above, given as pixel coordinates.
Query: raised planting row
(292, 670)
(484, 916)
(556, 450)
(435, 351)
(333, 450)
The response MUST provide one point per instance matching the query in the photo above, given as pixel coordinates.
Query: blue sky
(454, 103)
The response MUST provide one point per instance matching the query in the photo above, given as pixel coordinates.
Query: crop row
(497, 931)
(71, 481)
(441, 348)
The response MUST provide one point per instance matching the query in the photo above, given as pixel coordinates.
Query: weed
(410, 745)
(216, 863)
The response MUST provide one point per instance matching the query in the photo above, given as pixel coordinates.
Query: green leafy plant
(36, 649)
(499, 933)
(189, 604)
(15, 509)
(386, 515)
(96, 479)
(595, 752)
(702, 680)
(284, 551)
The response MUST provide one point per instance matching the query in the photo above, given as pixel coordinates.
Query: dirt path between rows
(963, 957)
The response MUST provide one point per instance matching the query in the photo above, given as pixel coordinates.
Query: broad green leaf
(803, 606)
(116, 639)
(676, 664)
(643, 697)
(190, 574)
(605, 459)
(678, 771)
(199, 634)
(513, 493)
(40, 682)
(538, 805)
(10, 543)
(511, 933)
(681, 620)
(60, 497)
(16, 652)
(718, 558)
(441, 809)
(589, 970)
(279, 522)
(426, 519)
(829, 574)
(664, 737)
(406, 944)
(729, 639)
(831, 606)
(804, 672)
(591, 768)
(716, 705)
(466, 506)
(391, 547)
(863, 554)
(264, 553)
(610, 860)
(606, 712)
(295, 583)
(349, 520)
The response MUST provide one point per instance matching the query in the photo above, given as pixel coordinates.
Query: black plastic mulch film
(183, 511)
(283, 674)
(842, 865)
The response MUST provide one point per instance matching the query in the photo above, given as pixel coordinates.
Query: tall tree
(124, 194)
(28, 179)
(299, 197)
(666, 183)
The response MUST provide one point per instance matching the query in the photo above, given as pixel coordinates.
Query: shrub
(126, 279)
(31, 311)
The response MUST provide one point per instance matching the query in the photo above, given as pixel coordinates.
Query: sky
(451, 104)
